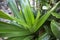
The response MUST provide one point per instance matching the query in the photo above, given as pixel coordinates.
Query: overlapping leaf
(41, 21)
(24, 18)
(12, 30)
(55, 27)
(21, 38)
(28, 14)
(57, 15)
(45, 36)
(13, 8)
(5, 16)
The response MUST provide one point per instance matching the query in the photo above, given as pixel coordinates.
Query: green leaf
(41, 21)
(15, 34)
(45, 36)
(16, 38)
(38, 15)
(10, 30)
(28, 38)
(7, 26)
(55, 27)
(22, 23)
(57, 15)
(5, 15)
(26, 9)
(13, 7)
(21, 38)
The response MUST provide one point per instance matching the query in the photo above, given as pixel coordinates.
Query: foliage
(27, 25)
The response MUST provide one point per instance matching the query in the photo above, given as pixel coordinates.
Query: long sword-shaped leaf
(5, 15)
(21, 38)
(38, 15)
(16, 38)
(15, 34)
(27, 11)
(22, 23)
(44, 18)
(45, 36)
(12, 30)
(8, 27)
(55, 27)
(14, 8)
(57, 15)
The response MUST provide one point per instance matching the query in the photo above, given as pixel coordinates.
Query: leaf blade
(55, 28)
(57, 15)
(12, 30)
(41, 21)
(29, 17)
(5, 15)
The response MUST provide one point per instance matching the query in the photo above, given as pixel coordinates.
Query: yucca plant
(25, 25)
